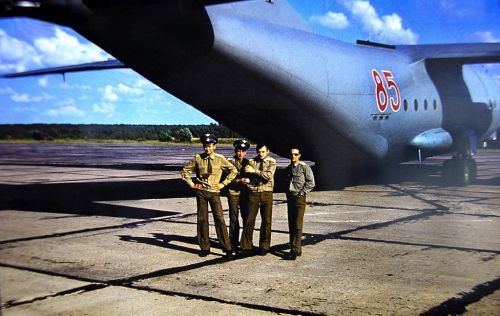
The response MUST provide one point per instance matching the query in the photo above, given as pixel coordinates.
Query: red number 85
(381, 91)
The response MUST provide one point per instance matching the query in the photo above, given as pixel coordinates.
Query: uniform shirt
(300, 178)
(234, 187)
(263, 178)
(208, 171)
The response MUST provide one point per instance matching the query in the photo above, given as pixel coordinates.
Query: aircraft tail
(273, 11)
(478, 53)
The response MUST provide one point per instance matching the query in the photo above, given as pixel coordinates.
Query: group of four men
(250, 184)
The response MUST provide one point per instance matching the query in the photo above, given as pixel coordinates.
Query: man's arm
(231, 170)
(309, 185)
(264, 174)
(269, 174)
(187, 171)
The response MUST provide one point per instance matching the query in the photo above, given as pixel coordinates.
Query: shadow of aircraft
(81, 198)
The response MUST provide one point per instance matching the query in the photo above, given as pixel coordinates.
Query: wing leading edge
(477, 53)
(99, 65)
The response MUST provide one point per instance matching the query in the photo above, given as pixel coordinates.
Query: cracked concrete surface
(119, 238)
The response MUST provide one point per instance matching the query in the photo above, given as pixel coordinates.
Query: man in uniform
(261, 171)
(300, 182)
(238, 191)
(208, 167)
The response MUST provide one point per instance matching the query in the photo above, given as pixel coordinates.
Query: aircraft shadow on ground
(419, 174)
(81, 198)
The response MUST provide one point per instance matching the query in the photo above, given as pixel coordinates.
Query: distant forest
(119, 131)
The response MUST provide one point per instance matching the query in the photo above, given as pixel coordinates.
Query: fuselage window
(434, 104)
(405, 105)
(415, 105)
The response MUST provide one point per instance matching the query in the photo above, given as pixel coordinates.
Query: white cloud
(66, 49)
(16, 55)
(25, 109)
(7, 90)
(332, 20)
(459, 8)
(60, 49)
(43, 82)
(141, 83)
(25, 98)
(109, 95)
(72, 86)
(107, 109)
(447, 5)
(21, 98)
(388, 28)
(485, 37)
(66, 110)
(123, 88)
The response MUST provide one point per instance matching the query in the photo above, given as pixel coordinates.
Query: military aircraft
(257, 67)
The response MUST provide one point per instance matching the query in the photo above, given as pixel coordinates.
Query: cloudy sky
(124, 97)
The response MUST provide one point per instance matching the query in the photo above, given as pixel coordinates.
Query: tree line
(166, 133)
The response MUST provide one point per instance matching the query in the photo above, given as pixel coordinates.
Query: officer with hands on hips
(209, 167)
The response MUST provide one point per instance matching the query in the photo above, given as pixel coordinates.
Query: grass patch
(195, 142)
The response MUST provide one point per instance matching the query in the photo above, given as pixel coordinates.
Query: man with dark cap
(300, 183)
(260, 170)
(209, 167)
(238, 191)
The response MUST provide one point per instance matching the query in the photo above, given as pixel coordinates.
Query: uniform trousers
(296, 209)
(237, 203)
(203, 198)
(265, 201)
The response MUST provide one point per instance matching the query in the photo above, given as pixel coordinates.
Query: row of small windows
(415, 105)
(491, 105)
(406, 107)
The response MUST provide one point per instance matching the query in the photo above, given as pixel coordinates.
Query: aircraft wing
(99, 65)
(479, 53)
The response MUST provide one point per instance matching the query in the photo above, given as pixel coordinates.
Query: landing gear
(460, 170)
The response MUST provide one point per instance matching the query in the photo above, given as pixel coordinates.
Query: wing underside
(477, 53)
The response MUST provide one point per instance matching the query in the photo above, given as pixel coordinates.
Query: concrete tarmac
(110, 230)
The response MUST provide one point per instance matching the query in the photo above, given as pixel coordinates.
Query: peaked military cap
(242, 144)
(208, 139)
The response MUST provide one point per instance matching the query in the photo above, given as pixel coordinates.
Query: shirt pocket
(297, 178)
(203, 171)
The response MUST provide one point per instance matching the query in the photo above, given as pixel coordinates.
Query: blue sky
(124, 97)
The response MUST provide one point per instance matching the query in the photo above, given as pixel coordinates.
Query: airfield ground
(110, 230)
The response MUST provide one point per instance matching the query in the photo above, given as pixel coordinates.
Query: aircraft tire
(448, 175)
(471, 165)
(459, 171)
